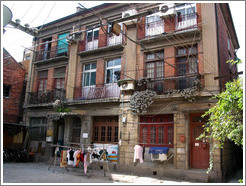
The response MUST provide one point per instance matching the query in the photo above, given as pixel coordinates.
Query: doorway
(199, 149)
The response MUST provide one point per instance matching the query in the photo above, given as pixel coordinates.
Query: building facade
(147, 85)
(14, 86)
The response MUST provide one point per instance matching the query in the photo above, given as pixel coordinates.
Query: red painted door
(199, 149)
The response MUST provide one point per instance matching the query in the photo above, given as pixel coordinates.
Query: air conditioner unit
(128, 13)
(159, 157)
(127, 86)
(166, 9)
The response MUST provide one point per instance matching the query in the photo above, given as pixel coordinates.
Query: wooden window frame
(104, 121)
(148, 122)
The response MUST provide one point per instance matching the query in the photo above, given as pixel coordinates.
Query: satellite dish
(7, 15)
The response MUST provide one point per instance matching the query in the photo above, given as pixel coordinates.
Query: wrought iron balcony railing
(98, 91)
(168, 84)
(95, 42)
(52, 52)
(47, 96)
(187, 21)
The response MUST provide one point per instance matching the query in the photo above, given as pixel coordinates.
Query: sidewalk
(39, 173)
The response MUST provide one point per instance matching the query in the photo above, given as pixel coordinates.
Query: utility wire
(47, 17)
(38, 13)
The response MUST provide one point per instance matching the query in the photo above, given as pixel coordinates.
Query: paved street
(39, 173)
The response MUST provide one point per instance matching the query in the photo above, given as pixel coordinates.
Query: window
(187, 65)
(105, 129)
(75, 130)
(59, 82)
(42, 82)
(155, 70)
(92, 39)
(154, 25)
(38, 128)
(45, 53)
(6, 90)
(157, 130)
(89, 74)
(62, 45)
(186, 15)
(113, 70)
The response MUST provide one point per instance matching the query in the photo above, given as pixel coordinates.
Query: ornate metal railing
(187, 21)
(98, 91)
(168, 84)
(47, 96)
(52, 52)
(92, 43)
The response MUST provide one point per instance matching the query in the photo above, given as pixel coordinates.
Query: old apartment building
(147, 85)
(13, 94)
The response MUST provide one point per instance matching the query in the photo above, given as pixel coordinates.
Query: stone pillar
(180, 125)
(71, 76)
(67, 127)
(130, 51)
(128, 134)
(85, 128)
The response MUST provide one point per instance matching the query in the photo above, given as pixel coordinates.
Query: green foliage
(226, 117)
(63, 109)
(240, 181)
(237, 61)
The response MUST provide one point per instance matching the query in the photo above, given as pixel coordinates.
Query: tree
(225, 119)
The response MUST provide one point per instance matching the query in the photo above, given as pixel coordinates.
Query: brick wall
(169, 24)
(141, 28)
(13, 75)
(223, 48)
(169, 53)
(199, 15)
(102, 40)
(81, 43)
(100, 71)
(53, 46)
(50, 79)
(200, 63)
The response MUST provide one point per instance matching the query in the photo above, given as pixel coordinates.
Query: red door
(199, 149)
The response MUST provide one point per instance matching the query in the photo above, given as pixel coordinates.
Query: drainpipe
(218, 50)
(218, 44)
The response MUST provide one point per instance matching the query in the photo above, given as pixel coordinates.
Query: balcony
(52, 53)
(101, 42)
(47, 96)
(168, 84)
(186, 22)
(154, 28)
(98, 91)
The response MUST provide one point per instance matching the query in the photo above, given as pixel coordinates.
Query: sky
(37, 13)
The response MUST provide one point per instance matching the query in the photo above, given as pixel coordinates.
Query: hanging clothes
(75, 157)
(69, 162)
(143, 151)
(63, 161)
(138, 153)
(86, 164)
(80, 158)
(89, 155)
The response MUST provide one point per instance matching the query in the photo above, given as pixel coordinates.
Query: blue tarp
(158, 150)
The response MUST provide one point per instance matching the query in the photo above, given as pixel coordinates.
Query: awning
(158, 150)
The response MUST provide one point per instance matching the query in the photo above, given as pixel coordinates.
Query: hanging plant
(60, 106)
(140, 101)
